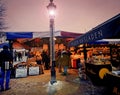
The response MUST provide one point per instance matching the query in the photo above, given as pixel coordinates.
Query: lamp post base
(53, 73)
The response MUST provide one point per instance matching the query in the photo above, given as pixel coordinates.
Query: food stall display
(98, 63)
(23, 69)
(20, 70)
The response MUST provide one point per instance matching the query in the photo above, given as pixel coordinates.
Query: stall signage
(34, 70)
(21, 72)
(108, 29)
(89, 37)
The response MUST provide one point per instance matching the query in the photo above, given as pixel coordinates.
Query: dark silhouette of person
(6, 60)
(15, 56)
(45, 59)
(19, 56)
(39, 62)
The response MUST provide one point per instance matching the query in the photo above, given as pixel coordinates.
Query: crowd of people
(17, 56)
(41, 58)
(63, 62)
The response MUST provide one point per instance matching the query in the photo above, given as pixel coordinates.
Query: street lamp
(51, 9)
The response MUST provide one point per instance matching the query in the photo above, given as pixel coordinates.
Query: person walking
(6, 60)
(64, 62)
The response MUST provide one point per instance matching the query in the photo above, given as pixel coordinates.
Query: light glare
(52, 13)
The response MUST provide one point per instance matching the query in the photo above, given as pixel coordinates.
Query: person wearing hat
(6, 60)
(64, 61)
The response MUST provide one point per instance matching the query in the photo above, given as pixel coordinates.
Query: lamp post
(51, 9)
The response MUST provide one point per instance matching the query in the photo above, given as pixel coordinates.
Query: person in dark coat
(45, 59)
(6, 60)
(39, 62)
(63, 62)
(19, 56)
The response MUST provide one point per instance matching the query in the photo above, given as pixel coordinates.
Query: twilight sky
(72, 15)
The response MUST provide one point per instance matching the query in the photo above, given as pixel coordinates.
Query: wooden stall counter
(96, 72)
(113, 82)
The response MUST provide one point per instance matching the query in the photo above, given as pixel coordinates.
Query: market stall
(27, 67)
(104, 36)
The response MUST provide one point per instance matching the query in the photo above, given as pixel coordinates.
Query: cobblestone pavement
(40, 85)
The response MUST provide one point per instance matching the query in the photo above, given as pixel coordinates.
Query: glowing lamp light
(52, 13)
(54, 38)
(51, 9)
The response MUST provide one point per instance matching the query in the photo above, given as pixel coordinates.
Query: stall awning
(107, 30)
(106, 41)
(2, 44)
(15, 35)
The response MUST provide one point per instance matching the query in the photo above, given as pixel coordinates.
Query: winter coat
(63, 60)
(5, 55)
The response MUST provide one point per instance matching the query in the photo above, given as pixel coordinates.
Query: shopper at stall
(45, 59)
(64, 62)
(15, 56)
(6, 60)
(39, 62)
(19, 56)
(81, 69)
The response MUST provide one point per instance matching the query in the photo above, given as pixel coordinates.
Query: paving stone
(40, 85)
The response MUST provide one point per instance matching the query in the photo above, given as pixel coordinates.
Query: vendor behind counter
(75, 59)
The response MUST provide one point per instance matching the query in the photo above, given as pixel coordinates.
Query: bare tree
(2, 20)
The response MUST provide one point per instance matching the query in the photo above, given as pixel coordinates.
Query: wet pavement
(65, 85)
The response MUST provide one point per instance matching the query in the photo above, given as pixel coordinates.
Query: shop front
(101, 47)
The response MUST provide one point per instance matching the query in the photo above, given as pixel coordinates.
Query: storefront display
(23, 69)
(97, 72)
(101, 59)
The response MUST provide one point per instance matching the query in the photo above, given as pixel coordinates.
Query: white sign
(21, 72)
(34, 70)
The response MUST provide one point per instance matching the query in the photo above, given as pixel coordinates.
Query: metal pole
(52, 52)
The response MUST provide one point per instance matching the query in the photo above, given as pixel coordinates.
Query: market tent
(1, 45)
(56, 34)
(110, 29)
(17, 45)
(106, 41)
(14, 35)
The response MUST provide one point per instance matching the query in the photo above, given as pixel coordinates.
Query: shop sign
(108, 29)
(21, 72)
(89, 37)
(34, 70)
